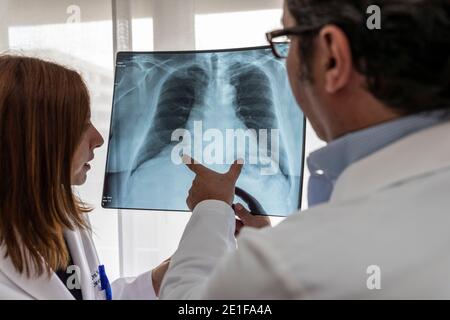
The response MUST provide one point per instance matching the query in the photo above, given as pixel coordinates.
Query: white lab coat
(15, 285)
(390, 210)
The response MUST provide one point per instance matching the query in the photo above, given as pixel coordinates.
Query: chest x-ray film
(215, 106)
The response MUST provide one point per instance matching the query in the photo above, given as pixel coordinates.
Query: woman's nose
(98, 139)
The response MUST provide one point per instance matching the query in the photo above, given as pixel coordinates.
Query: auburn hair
(44, 108)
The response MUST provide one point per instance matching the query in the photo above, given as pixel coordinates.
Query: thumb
(235, 169)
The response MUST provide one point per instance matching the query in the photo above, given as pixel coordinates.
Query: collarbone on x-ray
(215, 106)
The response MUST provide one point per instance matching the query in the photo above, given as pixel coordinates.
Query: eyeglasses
(280, 39)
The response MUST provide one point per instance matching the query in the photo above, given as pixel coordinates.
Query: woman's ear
(337, 58)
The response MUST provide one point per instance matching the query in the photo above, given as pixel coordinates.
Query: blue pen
(104, 282)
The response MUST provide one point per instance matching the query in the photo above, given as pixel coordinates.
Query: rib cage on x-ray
(254, 101)
(158, 93)
(187, 86)
(182, 89)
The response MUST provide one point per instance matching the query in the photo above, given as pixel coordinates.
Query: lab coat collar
(417, 154)
(44, 288)
(41, 288)
(77, 251)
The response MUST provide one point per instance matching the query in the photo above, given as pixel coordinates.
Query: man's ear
(337, 55)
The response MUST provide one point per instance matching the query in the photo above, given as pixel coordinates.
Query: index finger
(193, 165)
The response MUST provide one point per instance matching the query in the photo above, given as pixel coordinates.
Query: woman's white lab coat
(15, 285)
(384, 234)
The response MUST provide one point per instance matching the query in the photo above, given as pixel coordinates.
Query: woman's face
(84, 153)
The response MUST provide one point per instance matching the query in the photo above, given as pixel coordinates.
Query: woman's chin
(80, 178)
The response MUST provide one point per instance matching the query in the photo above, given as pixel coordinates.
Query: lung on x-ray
(215, 106)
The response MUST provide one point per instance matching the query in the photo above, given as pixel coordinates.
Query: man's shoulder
(336, 244)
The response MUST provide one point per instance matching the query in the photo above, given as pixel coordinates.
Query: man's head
(346, 76)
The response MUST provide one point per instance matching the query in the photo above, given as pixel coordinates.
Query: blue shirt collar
(326, 164)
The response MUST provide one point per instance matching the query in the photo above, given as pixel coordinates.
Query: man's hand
(211, 185)
(158, 275)
(246, 219)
